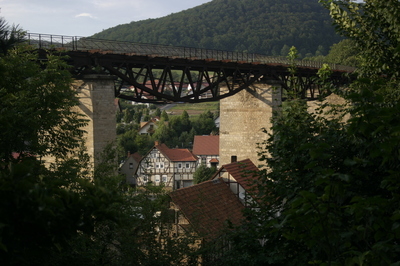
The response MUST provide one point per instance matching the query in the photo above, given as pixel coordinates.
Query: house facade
(206, 148)
(129, 167)
(240, 177)
(148, 128)
(174, 168)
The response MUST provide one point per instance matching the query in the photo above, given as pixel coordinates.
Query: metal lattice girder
(158, 74)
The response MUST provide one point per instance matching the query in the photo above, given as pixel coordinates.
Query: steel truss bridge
(161, 74)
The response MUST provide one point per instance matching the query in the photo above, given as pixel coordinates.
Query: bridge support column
(242, 118)
(97, 103)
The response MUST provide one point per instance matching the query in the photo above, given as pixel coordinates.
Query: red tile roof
(136, 156)
(208, 207)
(176, 155)
(214, 160)
(206, 145)
(242, 171)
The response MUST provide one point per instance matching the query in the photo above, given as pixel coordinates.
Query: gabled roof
(206, 145)
(208, 207)
(136, 156)
(242, 171)
(176, 155)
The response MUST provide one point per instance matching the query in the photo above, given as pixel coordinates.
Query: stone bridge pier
(97, 103)
(243, 117)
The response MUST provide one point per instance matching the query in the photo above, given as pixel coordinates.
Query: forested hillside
(255, 26)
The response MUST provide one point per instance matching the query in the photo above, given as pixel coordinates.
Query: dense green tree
(203, 173)
(33, 102)
(157, 112)
(137, 117)
(254, 26)
(42, 208)
(184, 123)
(204, 124)
(330, 195)
(127, 140)
(344, 53)
(164, 116)
(128, 115)
(9, 36)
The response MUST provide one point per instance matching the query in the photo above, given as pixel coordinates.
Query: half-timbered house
(174, 168)
(240, 177)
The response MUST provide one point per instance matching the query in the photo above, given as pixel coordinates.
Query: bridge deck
(135, 65)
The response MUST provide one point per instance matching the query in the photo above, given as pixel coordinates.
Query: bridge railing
(74, 43)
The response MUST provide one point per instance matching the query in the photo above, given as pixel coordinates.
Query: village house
(174, 168)
(148, 128)
(207, 209)
(240, 177)
(206, 148)
(129, 167)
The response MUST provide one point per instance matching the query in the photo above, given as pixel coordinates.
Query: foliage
(142, 234)
(330, 195)
(374, 27)
(343, 53)
(63, 211)
(10, 36)
(255, 26)
(164, 116)
(203, 173)
(204, 124)
(33, 102)
(43, 208)
(157, 112)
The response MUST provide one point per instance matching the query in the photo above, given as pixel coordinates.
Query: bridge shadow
(265, 95)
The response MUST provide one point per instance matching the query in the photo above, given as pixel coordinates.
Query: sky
(85, 17)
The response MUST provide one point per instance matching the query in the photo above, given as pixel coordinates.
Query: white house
(148, 128)
(172, 167)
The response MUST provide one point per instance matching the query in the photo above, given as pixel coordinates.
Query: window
(157, 178)
(164, 178)
(161, 165)
(204, 160)
(145, 178)
(179, 166)
(130, 165)
(187, 165)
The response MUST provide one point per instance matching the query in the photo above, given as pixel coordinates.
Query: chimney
(156, 143)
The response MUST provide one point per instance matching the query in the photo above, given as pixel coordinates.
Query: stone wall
(242, 118)
(97, 103)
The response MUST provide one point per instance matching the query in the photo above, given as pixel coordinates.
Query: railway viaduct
(250, 87)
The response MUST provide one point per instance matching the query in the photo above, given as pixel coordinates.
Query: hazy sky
(85, 17)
